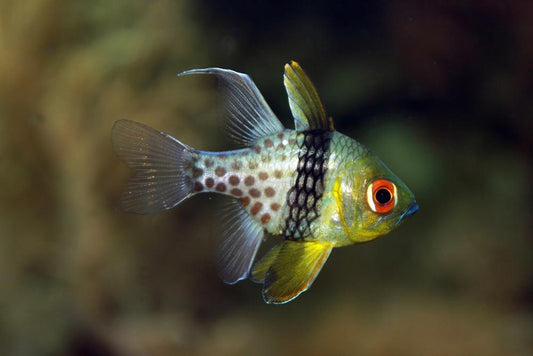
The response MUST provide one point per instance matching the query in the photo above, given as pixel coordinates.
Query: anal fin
(294, 268)
(242, 236)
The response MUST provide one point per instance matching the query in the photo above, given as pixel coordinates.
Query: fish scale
(313, 186)
(303, 198)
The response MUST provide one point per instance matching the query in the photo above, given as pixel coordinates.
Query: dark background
(440, 90)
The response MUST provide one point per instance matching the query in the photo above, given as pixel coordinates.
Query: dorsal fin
(306, 106)
(250, 115)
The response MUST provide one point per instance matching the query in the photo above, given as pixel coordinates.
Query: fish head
(371, 199)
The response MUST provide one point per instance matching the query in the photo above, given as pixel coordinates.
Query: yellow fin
(305, 103)
(294, 269)
(261, 267)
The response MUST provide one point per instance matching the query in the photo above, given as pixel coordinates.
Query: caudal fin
(159, 163)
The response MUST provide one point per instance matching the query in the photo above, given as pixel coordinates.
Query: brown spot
(197, 172)
(280, 146)
(254, 193)
(208, 162)
(256, 208)
(198, 187)
(265, 218)
(270, 192)
(245, 201)
(269, 143)
(263, 175)
(280, 135)
(257, 149)
(245, 153)
(249, 180)
(275, 206)
(221, 187)
(220, 171)
(236, 192)
(209, 182)
(222, 156)
(252, 165)
(187, 165)
(277, 174)
(236, 165)
(234, 180)
(292, 142)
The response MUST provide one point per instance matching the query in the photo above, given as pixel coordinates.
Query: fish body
(313, 187)
(259, 176)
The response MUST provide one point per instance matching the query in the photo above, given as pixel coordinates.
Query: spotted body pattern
(312, 186)
(258, 177)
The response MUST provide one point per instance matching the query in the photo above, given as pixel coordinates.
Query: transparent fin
(250, 115)
(306, 106)
(241, 239)
(294, 270)
(158, 163)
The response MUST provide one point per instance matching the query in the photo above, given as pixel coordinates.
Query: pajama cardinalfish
(313, 187)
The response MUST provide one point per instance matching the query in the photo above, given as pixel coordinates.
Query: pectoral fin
(306, 106)
(293, 269)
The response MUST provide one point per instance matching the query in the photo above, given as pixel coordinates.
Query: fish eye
(381, 196)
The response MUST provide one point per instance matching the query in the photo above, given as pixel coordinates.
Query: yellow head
(367, 200)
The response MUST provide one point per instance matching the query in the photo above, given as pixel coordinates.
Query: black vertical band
(303, 199)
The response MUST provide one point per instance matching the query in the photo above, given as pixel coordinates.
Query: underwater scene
(304, 126)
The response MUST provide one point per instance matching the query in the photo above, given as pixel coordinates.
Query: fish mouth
(411, 209)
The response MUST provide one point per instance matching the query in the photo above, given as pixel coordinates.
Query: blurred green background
(440, 90)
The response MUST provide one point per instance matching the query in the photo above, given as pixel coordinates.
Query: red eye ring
(381, 196)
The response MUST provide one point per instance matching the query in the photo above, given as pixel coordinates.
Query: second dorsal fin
(306, 106)
(250, 115)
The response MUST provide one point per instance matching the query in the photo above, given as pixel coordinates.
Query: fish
(311, 188)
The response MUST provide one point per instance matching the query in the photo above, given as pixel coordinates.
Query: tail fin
(159, 164)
